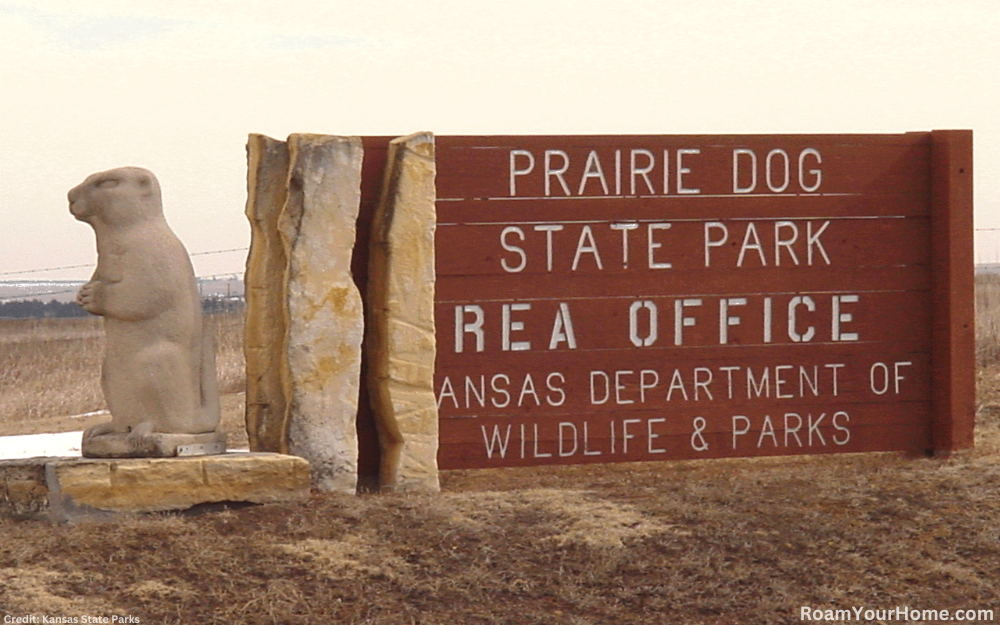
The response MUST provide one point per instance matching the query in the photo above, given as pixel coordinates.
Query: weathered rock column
(400, 341)
(304, 377)
(266, 314)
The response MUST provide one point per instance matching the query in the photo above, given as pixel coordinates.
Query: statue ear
(145, 184)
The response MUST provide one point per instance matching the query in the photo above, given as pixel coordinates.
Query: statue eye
(107, 183)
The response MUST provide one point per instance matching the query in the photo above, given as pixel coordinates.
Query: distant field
(44, 290)
(65, 290)
(50, 370)
(987, 319)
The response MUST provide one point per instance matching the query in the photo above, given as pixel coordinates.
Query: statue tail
(209, 384)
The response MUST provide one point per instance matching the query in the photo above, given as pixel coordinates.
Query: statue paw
(98, 430)
(142, 430)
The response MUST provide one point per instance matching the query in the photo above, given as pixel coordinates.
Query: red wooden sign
(620, 298)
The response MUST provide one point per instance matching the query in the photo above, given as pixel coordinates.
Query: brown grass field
(700, 542)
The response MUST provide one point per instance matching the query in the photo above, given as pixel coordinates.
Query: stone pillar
(304, 313)
(306, 403)
(400, 341)
(266, 315)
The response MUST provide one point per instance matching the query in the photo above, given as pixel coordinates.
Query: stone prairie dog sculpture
(158, 374)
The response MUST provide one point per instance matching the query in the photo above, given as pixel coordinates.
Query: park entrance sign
(624, 298)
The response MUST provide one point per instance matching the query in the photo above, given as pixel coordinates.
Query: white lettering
(839, 318)
(726, 320)
(777, 188)
(510, 326)
(780, 242)
(593, 170)
(619, 387)
(558, 390)
(751, 233)
(793, 431)
(475, 328)
(562, 328)
(655, 246)
(812, 240)
(528, 388)
(551, 172)
(680, 321)
(624, 228)
(591, 247)
(512, 248)
(841, 428)
(681, 170)
(650, 436)
(737, 153)
(644, 385)
(710, 242)
(594, 375)
(548, 229)
(495, 443)
(500, 390)
(816, 173)
(515, 172)
(793, 305)
(740, 431)
(626, 436)
(633, 323)
(563, 425)
(644, 171)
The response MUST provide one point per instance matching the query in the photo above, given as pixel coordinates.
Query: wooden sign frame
(900, 205)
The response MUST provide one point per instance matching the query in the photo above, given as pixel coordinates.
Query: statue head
(117, 197)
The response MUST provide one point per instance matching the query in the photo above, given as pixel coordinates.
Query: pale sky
(176, 86)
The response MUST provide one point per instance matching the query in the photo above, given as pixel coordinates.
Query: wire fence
(72, 286)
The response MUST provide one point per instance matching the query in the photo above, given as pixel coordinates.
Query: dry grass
(50, 370)
(713, 542)
(987, 319)
(719, 542)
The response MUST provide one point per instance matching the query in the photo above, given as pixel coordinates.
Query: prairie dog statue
(158, 374)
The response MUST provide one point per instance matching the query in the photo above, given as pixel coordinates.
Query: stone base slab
(155, 445)
(79, 489)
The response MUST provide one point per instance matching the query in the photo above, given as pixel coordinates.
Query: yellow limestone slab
(266, 314)
(76, 489)
(400, 345)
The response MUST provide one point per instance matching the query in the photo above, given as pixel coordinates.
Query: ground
(717, 542)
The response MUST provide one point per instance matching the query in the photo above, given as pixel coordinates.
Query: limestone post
(305, 319)
(400, 343)
(266, 314)
(325, 312)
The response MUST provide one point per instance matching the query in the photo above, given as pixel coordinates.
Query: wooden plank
(953, 291)
(687, 390)
(663, 247)
(714, 433)
(678, 165)
(532, 327)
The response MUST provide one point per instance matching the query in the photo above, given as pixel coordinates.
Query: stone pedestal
(78, 489)
(155, 445)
